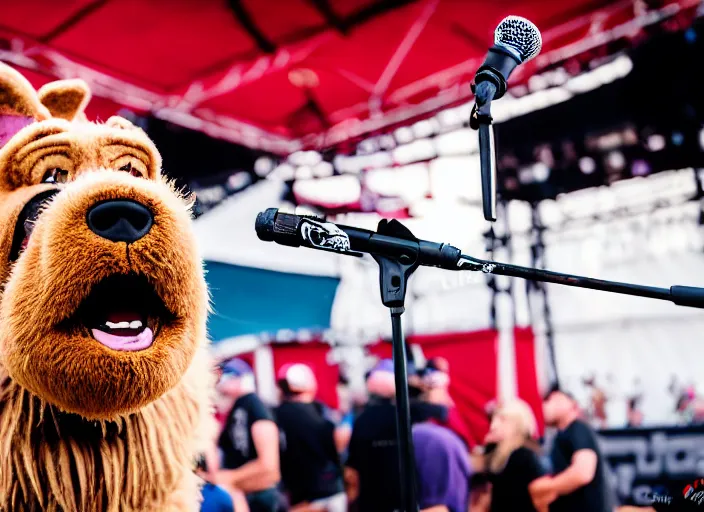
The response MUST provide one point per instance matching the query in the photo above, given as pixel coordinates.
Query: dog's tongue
(140, 341)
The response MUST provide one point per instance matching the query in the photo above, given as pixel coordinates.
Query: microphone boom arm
(297, 230)
(680, 295)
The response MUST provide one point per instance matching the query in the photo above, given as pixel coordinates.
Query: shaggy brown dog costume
(104, 378)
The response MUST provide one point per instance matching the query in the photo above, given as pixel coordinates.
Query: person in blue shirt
(215, 498)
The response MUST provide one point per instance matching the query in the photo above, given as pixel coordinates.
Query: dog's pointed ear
(18, 97)
(19, 103)
(65, 99)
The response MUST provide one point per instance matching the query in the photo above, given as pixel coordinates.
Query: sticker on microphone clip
(325, 235)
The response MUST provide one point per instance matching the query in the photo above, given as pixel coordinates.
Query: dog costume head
(102, 308)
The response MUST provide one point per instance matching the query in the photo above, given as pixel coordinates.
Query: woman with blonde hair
(513, 462)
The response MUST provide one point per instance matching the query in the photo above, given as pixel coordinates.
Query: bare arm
(263, 472)
(541, 493)
(580, 473)
(343, 433)
(351, 483)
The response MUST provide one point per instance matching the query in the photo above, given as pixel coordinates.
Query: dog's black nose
(120, 220)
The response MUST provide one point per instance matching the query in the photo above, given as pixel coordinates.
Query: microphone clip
(480, 116)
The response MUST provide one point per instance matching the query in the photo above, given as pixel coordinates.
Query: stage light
(450, 118)
(403, 135)
(458, 142)
(640, 168)
(425, 128)
(284, 172)
(368, 146)
(615, 160)
(556, 77)
(331, 192)
(387, 142)
(211, 195)
(655, 142)
(355, 164)
(323, 170)
(410, 182)
(416, 151)
(511, 183)
(304, 158)
(263, 166)
(525, 175)
(701, 138)
(455, 178)
(537, 83)
(541, 172)
(677, 138)
(304, 172)
(238, 181)
(609, 141)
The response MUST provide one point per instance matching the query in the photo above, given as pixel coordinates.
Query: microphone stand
(394, 271)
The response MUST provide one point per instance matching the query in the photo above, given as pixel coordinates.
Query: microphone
(393, 239)
(516, 40)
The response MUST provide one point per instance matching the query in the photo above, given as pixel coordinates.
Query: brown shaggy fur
(84, 427)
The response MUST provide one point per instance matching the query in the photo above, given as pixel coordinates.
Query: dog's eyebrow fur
(137, 151)
(35, 143)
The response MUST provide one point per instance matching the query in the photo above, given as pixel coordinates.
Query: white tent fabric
(226, 234)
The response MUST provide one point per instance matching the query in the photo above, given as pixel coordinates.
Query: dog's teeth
(112, 325)
(123, 325)
(136, 324)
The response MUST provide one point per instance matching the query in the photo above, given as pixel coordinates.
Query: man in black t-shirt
(310, 465)
(579, 480)
(372, 470)
(249, 441)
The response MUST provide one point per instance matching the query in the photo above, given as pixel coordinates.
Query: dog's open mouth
(123, 312)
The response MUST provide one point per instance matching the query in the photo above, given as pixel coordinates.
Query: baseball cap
(236, 368)
(385, 365)
(296, 378)
(380, 380)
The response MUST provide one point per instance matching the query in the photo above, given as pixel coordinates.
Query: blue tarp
(251, 301)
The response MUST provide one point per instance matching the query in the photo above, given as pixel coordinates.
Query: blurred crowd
(607, 405)
(302, 456)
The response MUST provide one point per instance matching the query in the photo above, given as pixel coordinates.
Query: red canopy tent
(280, 75)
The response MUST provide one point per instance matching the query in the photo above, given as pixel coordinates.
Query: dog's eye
(128, 168)
(55, 175)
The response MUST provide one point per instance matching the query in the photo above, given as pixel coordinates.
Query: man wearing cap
(579, 483)
(371, 471)
(249, 441)
(310, 464)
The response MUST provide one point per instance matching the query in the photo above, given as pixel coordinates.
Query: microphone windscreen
(519, 35)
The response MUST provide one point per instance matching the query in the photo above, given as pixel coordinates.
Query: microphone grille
(519, 35)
